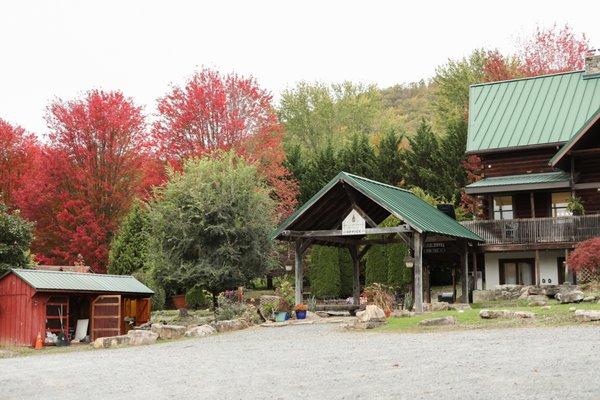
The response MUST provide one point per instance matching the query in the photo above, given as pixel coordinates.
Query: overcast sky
(63, 48)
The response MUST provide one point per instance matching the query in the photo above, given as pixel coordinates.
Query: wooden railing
(536, 230)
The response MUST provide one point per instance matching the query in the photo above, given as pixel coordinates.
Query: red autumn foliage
(90, 172)
(474, 168)
(586, 256)
(18, 151)
(221, 112)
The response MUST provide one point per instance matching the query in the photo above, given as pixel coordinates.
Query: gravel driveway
(323, 362)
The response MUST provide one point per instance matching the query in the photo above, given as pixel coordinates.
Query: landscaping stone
(200, 331)
(589, 299)
(493, 314)
(440, 306)
(403, 313)
(438, 321)
(514, 292)
(587, 315)
(111, 341)
(371, 313)
(569, 294)
(322, 314)
(168, 331)
(459, 306)
(138, 337)
(231, 325)
(537, 303)
(537, 297)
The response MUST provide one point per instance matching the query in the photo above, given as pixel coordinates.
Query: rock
(403, 313)
(231, 325)
(537, 303)
(537, 297)
(145, 326)
(111, 341)
(493, 314)
(168, 331)
(183, 312)
(569, 295)
(459, 306)
(322, 314)
(587, 315)
(440, 306)
(138, 337)
(589, 299)
(200, 331)
(357, 325)
(438, 321)
(371, 313)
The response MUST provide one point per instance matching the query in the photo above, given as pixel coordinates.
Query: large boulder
(587, 315)
(111, 341)
(569, 294)
(493, 314)
(438, 321)
(138, 337)
(372, 313)
(231, 325)
(168, 331)
(200, 331)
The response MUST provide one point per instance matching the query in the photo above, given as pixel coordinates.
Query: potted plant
(301, 310)
(281, 311)
(575, 206)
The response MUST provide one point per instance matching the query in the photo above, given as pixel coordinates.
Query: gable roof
(576, 138)
(544, 180)
(44, 280)
(404, 204)
(541, 110)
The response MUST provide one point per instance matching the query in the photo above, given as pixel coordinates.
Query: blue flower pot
(300, 314)
(280, 316)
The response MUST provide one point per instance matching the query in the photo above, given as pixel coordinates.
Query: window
(517, 272)
(559, 204)
(503, 207)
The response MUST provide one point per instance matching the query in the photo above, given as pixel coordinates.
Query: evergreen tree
(324, 272)
(16, 235)
(453, 147)
(346, 272)
(358, 157)
(398, 274)
(389, 158)
(320, 170)
(376, 265)
(422, 162)
(129, 247)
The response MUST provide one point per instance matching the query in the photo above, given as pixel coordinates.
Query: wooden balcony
(537, 232)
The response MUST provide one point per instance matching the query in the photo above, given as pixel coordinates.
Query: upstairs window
(503, 207)
(559, 204)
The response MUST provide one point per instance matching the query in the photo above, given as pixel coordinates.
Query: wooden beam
(586, 152)
(363, 251)
(356, 275)
(464, 274)
(418, 271)
(537, 267)
(338, 232)
(298, 270)
(355, 205)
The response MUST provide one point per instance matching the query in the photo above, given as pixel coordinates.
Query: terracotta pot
(179, 301)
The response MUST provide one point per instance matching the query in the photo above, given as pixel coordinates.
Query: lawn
(558, 314)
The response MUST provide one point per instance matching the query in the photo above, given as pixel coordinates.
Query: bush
(16, 235)
(231, 309)
(398, 275)
(325, 272)
(159, 298)
(287, 292)
(376, 265)
(346, 272)
(196, 298)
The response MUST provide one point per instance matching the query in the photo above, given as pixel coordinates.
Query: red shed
(35, 301)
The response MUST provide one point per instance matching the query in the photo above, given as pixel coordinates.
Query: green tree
(358, 156)
(346, 272)
(452, 156)
(324, 274)
(376, 265)
(211, 225)
(422, 161)
(129, 247)
(16, 235)
(398, 274)
(318, 171)
(389, 158)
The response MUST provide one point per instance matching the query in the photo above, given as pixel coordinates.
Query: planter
(179, 301)
(280, 316)
(300, 314)
(288, 316)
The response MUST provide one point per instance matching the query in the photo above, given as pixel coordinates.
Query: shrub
(586, 256)
(376, 265)
(325, 272)
(15, 237)
(159, 298)
(346, 272)
(229, 309)
(398, 275)
(196, 298)
(287, 292)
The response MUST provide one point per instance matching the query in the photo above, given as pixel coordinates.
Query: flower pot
(300, 314)
(280, 316)
(179, 301)
(287, 316)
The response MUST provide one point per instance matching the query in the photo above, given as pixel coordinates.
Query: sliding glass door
(517, 272)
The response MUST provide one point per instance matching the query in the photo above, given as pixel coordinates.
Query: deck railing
(536, 230)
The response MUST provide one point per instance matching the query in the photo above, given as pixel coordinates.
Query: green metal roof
(81, 282)
(532, 111)
(404, 204)
(546, 180)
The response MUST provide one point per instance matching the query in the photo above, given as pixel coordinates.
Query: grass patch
(556, 315)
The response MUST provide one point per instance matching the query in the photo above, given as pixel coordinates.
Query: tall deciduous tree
(222, 112)
(210, 225)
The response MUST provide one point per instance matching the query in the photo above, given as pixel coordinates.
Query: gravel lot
(323, 362)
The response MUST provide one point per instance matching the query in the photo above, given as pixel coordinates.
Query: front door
(517, 272)
(106, 316)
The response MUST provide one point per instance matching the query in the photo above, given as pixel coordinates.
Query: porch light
(409, 261)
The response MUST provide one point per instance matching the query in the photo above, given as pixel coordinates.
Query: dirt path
(322, 362)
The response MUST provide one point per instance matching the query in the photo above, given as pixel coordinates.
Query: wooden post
(454, 283)
(418, 271)
(475, 280)
(356, 274)
(426, 286)
(298, 273)
(464, 274)
(532, 203)
(537, 267)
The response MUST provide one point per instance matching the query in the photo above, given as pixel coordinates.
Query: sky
(60, 49)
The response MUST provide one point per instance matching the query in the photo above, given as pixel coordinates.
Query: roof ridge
(525, 78)
(45, 271)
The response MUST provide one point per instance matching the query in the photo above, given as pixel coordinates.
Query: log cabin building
(538, 140)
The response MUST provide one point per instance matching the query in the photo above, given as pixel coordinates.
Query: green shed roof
(546, 180)
(532, 111)
(81, 282)
(404, 204)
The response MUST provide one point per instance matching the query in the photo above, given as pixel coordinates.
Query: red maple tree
(221, 112)
(586, 256)
(18, 151)
(90, 171)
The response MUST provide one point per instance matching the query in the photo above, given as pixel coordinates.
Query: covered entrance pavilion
(349, 209)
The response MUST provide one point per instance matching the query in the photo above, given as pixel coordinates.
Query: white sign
(354, 224)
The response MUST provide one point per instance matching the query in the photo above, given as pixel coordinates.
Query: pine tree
(422, 162)
(346, 272)
(324, 272)
(398, 274)
(453, 147)
(376, 265)
(389, 158)
(129, 247)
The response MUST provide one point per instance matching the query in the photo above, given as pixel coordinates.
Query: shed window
(503, 207)
(559, 204)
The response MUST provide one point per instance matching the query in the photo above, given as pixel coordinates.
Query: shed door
(106, 316)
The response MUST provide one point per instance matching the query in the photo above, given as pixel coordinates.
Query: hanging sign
(354, 224)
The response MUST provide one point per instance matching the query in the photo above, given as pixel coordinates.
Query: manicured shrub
(325, 272)
(398, 275)
(346, 272)
(376, 265)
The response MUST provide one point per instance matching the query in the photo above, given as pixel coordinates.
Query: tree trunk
(215, 300)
